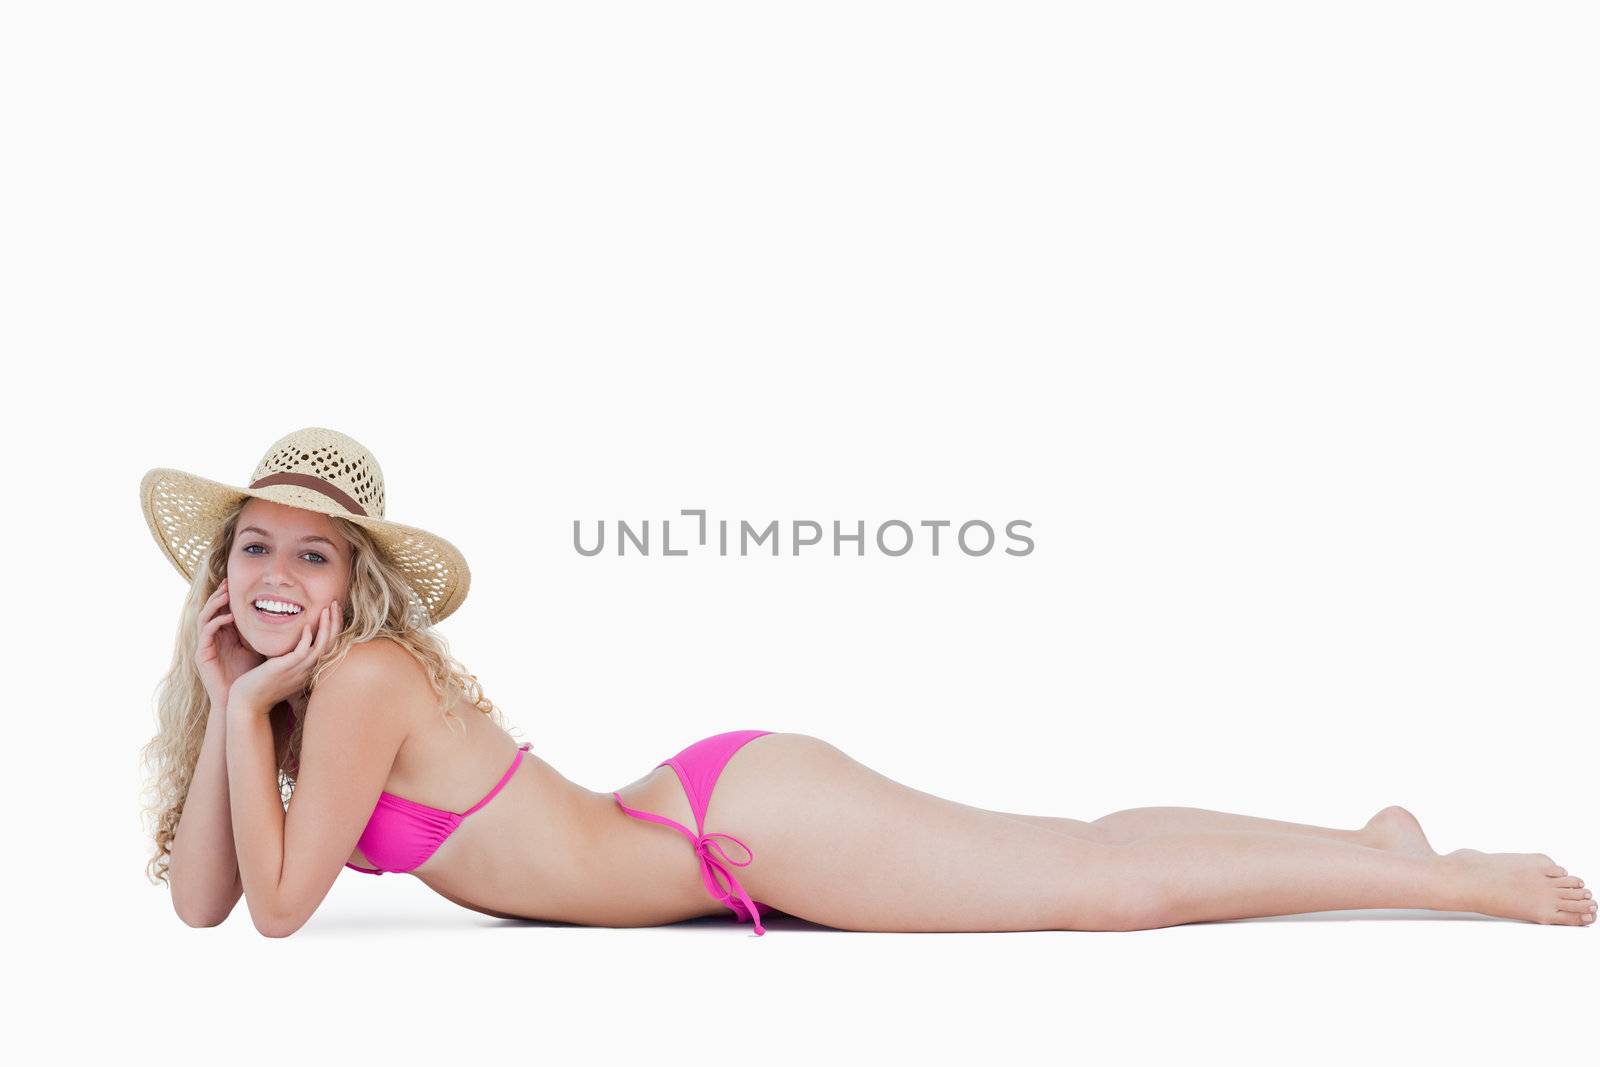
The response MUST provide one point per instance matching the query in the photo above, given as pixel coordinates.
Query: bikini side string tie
(708, 866)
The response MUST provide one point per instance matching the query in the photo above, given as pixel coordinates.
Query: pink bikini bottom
(698, 768)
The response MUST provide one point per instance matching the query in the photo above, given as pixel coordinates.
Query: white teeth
(278, 606)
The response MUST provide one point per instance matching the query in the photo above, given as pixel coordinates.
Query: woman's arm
(204, 867)
(355, 723)
(203, 870)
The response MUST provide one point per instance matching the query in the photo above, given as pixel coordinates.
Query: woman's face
(289, 556)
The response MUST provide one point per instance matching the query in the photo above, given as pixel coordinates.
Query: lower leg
(1136, 823)
(1394, 828)
(1209, 875)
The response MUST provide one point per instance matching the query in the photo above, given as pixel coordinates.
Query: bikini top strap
(504, 778)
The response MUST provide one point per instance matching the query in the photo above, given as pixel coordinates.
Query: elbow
(281, 914)
(278, 925)
(199, 907)
(201, 917)
(201, 921)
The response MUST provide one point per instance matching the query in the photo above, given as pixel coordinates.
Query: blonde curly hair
(381, 604)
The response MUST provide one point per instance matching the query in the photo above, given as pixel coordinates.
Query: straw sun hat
(318, 470)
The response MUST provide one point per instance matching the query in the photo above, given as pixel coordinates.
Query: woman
(307, 662)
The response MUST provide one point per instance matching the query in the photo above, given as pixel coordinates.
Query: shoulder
(380, 667)
(376, 682)
(379, 660)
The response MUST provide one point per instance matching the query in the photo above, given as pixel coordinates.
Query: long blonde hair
(382, 604)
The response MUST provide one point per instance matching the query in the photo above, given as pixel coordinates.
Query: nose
(275, 576)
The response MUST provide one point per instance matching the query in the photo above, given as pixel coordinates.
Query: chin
(270, 644)
(255, 646)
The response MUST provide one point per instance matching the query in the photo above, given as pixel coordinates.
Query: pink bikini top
(402, 834)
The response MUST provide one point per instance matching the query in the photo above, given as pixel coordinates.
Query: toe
(1577, 907)
(1569, 882)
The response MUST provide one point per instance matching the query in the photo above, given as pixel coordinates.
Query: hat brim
(184, 512)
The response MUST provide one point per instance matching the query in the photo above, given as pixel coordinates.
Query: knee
(1125, 896)
(1111, 832)
(1134, 907)
(1121, 827)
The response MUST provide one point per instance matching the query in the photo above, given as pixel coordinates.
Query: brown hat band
(307, 481)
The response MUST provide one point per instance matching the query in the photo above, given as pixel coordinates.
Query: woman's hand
(281, 677)
(220, 657)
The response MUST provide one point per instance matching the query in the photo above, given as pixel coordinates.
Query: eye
(309, 552)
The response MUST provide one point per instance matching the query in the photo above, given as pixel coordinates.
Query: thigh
(837, 843)
(1087, 831)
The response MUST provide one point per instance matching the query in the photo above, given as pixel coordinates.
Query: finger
(208, 631)
(325, 629)
(316, 634)
(305, 655)
(214, 601)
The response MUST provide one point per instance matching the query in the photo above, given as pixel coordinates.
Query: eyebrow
(303, 540)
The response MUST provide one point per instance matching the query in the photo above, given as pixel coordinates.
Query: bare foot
(1520, 885)
(1397, 830)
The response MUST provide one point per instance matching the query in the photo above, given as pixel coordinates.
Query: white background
(1276, 321)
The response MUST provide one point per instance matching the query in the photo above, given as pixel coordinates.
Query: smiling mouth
(275, 616)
